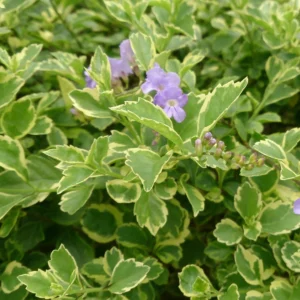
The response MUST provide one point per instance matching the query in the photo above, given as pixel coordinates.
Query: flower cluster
(168, 96)
(235, 161)
(120, 67)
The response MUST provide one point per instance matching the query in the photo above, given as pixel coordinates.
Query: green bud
(260, 161)
(198, 147)
(242, 160)
(253, 158)
(235, 166)
(218, 153)
(249, 167)
(227, 155)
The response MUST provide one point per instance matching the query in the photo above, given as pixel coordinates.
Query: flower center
(172, 102)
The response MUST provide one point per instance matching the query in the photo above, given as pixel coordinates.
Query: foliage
(163, 169)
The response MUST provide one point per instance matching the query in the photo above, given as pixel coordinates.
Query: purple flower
(126, 52)
(172, 100)
(158, 80)
(297, 207)
(89, 82)
(119, 68)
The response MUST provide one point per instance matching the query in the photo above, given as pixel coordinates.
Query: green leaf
(252, 231)
(111, 258)
(228, 232)
(86, 103)
(156, 268)
(218, 251)
(9, 222)
(133, 236)
(286, 172)
(123, 191)
(266, 183)
(201, 286)
(9, 90)
(56, 137)
(248, 202)
(188, 277)
(217, 103)
(68, 154)
(191, 60)
(100, 69)
(151, 212)
(149, 115)
(12, 156)
(43, 125)
(63, 264)
(168, 252)
(27, 55)
(232, 293)
(255, 295)
(117, 11)
(101, 221)
(167, 189)
(248, 265)
(72, 201)
(74, 175)
(126, 275)
(147, 165)
(194, 196)
(278, 218)
(273, 67)
(18, 119)
(291, 255)
(95, 270)
(66, 87)
(271, 149)
(281, 91)
(144, 50)
(8, 201)
(9, 281)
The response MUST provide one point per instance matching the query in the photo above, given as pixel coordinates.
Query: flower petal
(172, 79)
(297, 207)
(126, 51)
(159, 99)
(182, 100)
(178, 114)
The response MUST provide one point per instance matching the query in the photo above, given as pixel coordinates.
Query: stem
(131, 128)
(87, 291)
(65, 24)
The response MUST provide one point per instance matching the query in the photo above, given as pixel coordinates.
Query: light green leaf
(271, 149)
(218, 251)
(72, 201)
(95, 270)
(9, 90)
(100, 69)
(101, 221)
(131, 235)
(149, 115)
(56, 137)
(111, 258)
(86, 103)
(194, 196)
(147, 165)
(27, 55)
(252, 231)
(74, 175)
(123, 191)
(66, 87)
(217, 103)
(12, 156)
(281, 289)
(278, 218)
(254, 295)
(63, 264)
(116, 10)
(266, 183)
(290, 139)
(68, 154)
(126, 275)
(256, 171)
(291, 255)
(151, 212)
(97, 152)
(248, 202)
(268, 117)
(201, 286)
(8, 201)
(41, 283)
(43, 125)
(144, 50)
(18, 119)
(274, 66)
(9, 222)
(191, 60)
(232, 293)
(187, 279)
(248, 265)
(9, 281)
(286, 173)
(228, 232)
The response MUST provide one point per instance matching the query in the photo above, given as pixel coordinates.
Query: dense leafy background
(92, 208)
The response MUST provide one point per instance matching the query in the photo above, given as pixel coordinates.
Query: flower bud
(253, 157)
(208, 135)
(242, 160)
(212, 142)
(260, 161)
(198, 147)
(221, 145)
(218, 153)
(249, 167)
(227, 155)
(235, 166)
